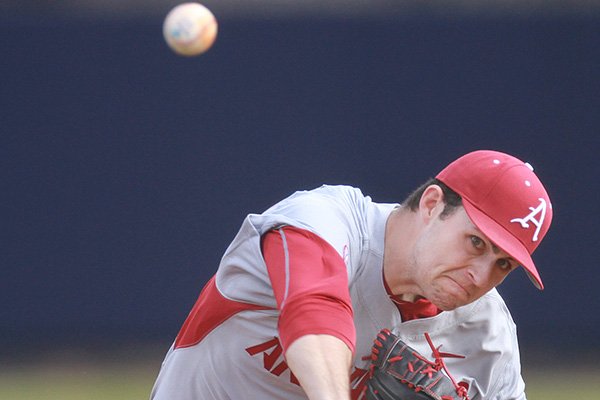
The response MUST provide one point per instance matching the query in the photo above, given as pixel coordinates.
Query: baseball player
(307, 287)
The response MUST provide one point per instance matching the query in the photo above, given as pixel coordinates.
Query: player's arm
(321, 363)
(316, 325)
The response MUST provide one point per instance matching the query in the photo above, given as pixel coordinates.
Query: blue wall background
(125, 170)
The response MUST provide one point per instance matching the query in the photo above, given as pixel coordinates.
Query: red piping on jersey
(211, 310)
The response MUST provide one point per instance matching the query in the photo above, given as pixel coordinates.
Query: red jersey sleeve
(310, 283)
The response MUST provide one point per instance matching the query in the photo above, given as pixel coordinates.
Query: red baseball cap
(505, 200)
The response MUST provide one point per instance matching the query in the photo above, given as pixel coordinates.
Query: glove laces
(439, 364)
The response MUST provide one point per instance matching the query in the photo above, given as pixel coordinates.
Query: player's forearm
(322, 365)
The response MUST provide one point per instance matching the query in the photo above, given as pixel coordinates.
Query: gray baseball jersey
(229, 348)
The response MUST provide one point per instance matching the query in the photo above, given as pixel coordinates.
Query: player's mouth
(458, 289)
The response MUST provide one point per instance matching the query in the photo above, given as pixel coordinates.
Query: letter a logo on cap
(541, 209)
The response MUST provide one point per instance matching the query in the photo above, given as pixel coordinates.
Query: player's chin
(448, 305)
(448, 300)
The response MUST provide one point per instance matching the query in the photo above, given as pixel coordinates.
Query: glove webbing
(432, 366)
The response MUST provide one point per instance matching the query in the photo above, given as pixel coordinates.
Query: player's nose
(479, 272)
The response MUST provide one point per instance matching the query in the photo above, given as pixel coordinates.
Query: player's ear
(431, 202)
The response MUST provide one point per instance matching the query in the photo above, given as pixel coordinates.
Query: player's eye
(477, 242)
(504, 264)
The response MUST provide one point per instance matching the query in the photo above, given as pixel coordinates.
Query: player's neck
(403, 290)
(400, 231)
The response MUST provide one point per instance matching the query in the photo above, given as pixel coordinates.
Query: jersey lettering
(274, 363)
(270, 360)
(541, 209)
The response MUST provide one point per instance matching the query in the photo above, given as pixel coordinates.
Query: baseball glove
(399, 372)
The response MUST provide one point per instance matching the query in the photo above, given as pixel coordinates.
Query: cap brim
(504, 240)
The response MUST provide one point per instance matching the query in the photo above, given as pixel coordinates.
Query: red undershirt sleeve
(310, 283)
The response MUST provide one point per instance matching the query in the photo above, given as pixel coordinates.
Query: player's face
(456, 263)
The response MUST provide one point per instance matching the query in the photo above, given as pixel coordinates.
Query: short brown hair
(451, 198)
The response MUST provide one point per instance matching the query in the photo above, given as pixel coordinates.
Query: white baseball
(190, 29)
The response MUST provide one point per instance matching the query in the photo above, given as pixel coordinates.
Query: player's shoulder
(336, 191)
(491, 310)
(322, 196)
(499, 345)
(495, 302)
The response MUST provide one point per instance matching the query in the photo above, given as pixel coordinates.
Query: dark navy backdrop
(125, 170)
